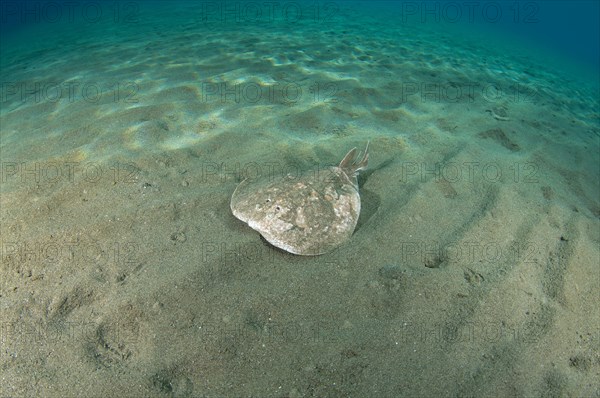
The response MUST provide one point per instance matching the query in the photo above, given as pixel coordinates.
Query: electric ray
(306, 215)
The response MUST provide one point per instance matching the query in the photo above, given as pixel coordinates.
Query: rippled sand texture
(473, 270)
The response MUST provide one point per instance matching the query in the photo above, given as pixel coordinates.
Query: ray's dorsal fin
(350, 165)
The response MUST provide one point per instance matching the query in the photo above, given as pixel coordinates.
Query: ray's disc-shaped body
(306, 215)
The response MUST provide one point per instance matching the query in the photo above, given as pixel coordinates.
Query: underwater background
(126, 126)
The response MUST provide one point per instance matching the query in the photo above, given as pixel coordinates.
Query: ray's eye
(268, 200)
(277, 208)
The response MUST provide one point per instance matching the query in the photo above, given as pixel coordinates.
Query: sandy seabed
(473, 270)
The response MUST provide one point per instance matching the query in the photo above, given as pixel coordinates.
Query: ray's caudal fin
(350, 165)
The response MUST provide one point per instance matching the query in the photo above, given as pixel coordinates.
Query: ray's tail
(351, 165)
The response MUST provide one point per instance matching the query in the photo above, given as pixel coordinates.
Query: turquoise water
(209, 61)
(125, 128)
